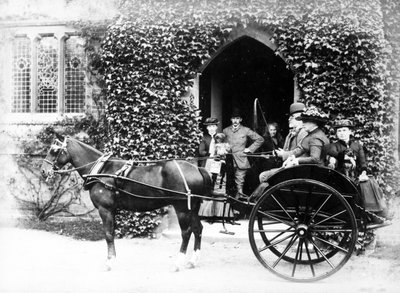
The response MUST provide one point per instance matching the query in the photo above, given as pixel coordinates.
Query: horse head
(56, 158)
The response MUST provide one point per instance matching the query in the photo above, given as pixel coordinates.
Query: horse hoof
(177, 269)
(109, 264)
(190, 265)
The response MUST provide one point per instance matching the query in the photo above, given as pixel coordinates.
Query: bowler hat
(296, 108)
(313, 114)
(343, 123)
(236, 113)
(211, 121)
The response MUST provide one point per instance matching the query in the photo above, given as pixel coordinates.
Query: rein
(116, 177)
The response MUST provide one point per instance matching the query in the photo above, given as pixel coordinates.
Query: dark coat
(204, 148)
(312, 149)
(338, 149)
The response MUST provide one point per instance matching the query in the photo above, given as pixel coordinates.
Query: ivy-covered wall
(337, 49)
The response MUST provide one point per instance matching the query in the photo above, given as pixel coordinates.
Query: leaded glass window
(74, 76)
(44, 81)
(47, 75)
(21, 71)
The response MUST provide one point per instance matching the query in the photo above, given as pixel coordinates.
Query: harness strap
(125, 169)
(188, 192)
(96, 168)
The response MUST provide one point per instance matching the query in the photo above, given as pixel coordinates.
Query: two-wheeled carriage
(303, 227)
(307, 222)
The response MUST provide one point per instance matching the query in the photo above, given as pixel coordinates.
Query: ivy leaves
(342, 70)
(148, 68)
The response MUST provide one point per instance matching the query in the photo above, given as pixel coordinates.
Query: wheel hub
(302, 230)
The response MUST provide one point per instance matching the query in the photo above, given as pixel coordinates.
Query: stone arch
(244, 68)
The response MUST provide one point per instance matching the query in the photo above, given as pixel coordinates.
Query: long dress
(212, 210)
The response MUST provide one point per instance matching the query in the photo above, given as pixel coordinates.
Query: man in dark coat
(296, 131)
(238, 136)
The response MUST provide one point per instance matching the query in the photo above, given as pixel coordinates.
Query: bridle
(56, 145)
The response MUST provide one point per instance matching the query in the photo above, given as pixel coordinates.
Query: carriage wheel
(302, 230)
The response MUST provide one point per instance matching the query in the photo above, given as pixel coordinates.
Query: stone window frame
(35, 32)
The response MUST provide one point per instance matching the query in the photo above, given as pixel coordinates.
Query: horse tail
(207, 183)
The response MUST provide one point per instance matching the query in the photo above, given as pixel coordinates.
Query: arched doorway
(242, 70)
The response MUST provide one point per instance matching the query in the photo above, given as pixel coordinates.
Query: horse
(168, 182)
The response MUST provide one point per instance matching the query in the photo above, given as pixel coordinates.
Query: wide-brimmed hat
(343, 123)
(297, 108)
(211, 121)
(313, 114)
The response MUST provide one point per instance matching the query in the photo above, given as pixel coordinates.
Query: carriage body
(306, 224)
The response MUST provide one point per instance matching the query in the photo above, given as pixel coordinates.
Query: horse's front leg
(108, 218)
(184, 220)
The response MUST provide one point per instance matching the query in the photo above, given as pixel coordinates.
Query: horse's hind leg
(197, 229)
(108, 217)
(184, 219)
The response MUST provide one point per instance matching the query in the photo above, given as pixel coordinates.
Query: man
(293, 139)
(310, 150)
(238, 136)
(312, 146)
(296, 131)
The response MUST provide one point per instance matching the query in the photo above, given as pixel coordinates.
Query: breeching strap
(188, 192)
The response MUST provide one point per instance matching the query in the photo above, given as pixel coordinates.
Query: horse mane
(85, 145)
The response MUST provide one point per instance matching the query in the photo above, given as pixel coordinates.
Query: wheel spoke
(275, 243)
(321, 253)
(298, 255)
(283, 209)
(338, 221)
(309, 258)
(276, 218)
(322, 205)
(332, 244)
(290, 244)
(333, 216)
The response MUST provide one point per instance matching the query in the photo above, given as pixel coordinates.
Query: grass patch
(79, 229)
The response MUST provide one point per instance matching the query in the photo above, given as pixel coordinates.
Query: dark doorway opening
(244, 70)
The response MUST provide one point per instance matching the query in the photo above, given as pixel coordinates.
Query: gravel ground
(38, 261)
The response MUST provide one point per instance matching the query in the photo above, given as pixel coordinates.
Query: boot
(258, 191)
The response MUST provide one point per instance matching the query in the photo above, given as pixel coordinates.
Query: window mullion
(61, 66)
(34, 72)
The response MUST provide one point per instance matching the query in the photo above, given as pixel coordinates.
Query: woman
(346, 154)
(273, 139)
(311, 150)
